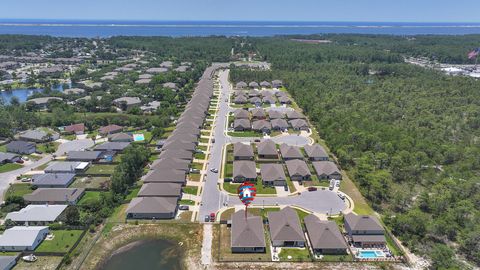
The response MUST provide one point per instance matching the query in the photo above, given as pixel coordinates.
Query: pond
(146, 255)
(23, 93)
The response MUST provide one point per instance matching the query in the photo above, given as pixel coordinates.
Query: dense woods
(408, 136)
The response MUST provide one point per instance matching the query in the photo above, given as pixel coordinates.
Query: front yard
(9, 167)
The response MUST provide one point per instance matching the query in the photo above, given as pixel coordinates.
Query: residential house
(258, 113)
(69, 196)
(165, 176)
(267, 149)
(277, 83)
(279, 124)
(364, 231)
(110, 129)
(77, 129)
(53, 180)
(241, 85)
(289, 152)
(152, 208)
(170, 85)
(247, 233)
(285, 228)
(265, 84)
(292, 114)
(160, 190)
(241, 99)
(243, 151)
(8, 158)
(324, 236)
(42, 103)
(275, 114)
(298, 170)
(299, 124)
(22, 238)
(125, 103)
(327, 170)
(36, 215)
(241, 125)
(7, 262)
(67, 167)
(74, 91)
(244, 171)
(262, 126)
(112, 146)
(253, 85)
(120, 137)
(273, 174)
(255, 100)
(38, 136)
(284, 100)
(269, 100)
(85, 156)
(316, 152)
(150, 107)
(157, 70)
(241, 114)
(21, 147)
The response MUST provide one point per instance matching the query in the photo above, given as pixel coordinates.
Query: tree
(442, 257)
(72, 215)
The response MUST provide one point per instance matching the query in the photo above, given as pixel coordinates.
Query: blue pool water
(138, 137)
(371, 254)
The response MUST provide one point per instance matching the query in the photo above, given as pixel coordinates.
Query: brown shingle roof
(285, 226)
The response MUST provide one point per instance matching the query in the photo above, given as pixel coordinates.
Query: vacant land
(91, 182)
(101, 169)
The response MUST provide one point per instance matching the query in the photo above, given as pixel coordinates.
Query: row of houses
(244, 98)
(260, 114)
(161, 189)
(263, 84)
(285, 230)
(273, 174)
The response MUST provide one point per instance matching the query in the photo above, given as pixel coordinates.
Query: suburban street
(320, 201)
(8, 177)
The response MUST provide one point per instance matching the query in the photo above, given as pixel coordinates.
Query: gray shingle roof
(53, 179)
(261, 125)
(244, 168)
(160, 190)
(247, 232)
(285, 226)
(165, 176)
(298, 123)
(242, 150)
(242, 123)
(315, 151)
(279, 124)
(297, 167)
(295, 115)
(83, 155)
(267, 148)
(325, 167)
(60, 166)
(55, 195)
(324, 234)
(363, 222)
(289, 151)
(112, 146)
(21, 236)
(149, 205)
(272, 172)
(241, 114)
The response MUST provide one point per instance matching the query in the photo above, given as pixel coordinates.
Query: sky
(246, 10)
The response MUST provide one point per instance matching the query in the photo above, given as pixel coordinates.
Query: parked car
(214, 170)
(227, 180)
(341, 196)
(331, 187)
(207, 218)
(312, 189)
(183, 207)
(20, 161)
(26, 158)
(26, 180)
(213, 140)
(212, 217)
(285, 188)
(337, 183)
(257, 140)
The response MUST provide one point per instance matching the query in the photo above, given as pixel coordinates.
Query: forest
(407, 136)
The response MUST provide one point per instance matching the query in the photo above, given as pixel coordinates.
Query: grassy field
(9, 167)
(361, 206)
(3, 148)
(248, 133)
(337, 258)
(62, 242)
(190, 190)
(18, 190)
(89, 197)
(200, 156)
(100, 169)
(297, 254)
(90, 182)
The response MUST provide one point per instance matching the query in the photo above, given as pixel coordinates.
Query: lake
(71, 28)
(146, 255)
(23, 94)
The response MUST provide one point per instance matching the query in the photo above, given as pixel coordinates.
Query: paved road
(320, 201)
(9, 177)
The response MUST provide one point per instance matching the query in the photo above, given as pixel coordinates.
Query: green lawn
(133, 193)
(232, 188)
(190, 190)
(187, 202)
(248, 133)
(297, 254)
(337, 258)
(89, 197)
(200, 156)
(100, 169)
(62, 242)
(9, 167)
(3, 148)
(196, 165)
(90, 182)
(49, 147)
(18, 190)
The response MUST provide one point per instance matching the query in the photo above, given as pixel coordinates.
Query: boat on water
(29, 258)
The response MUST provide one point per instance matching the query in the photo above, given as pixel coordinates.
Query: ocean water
(63, 28)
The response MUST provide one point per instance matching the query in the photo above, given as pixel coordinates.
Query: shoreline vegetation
(123, 237)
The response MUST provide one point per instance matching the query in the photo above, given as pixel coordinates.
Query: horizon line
(201, 20)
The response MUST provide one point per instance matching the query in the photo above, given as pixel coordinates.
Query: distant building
(364, 231)
(21, 147)
(68, 196)
(152, 208)
(8, 158)
(53, 180)
(36, 215)
(38, 136)
(110, 129)
(125, 103)
(77, 129)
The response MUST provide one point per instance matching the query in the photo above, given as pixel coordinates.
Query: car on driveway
(183, 207)
(312, 189)
(212, 217)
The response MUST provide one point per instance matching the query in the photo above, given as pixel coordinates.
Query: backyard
(100, 169)
(62, 242)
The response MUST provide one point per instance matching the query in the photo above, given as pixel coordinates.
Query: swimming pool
(370, 254)
(138, 137)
